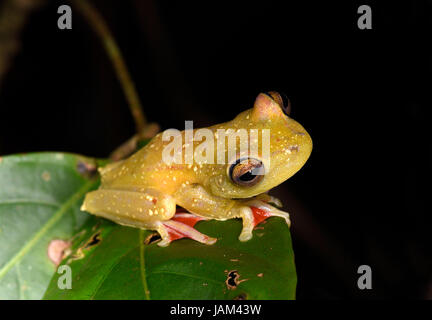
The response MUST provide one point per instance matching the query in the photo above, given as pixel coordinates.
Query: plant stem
(101, 28)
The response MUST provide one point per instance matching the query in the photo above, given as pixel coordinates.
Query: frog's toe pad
(182, 226)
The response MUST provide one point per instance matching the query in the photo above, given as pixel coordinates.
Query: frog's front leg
(269, 199)
(197, 200)
(255, 211)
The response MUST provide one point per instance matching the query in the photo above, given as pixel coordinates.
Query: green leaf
(114, 262)
(40, 197)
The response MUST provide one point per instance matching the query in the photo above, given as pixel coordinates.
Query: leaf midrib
(142, 265)
(142, 268)
(46, 227)
(19, 201)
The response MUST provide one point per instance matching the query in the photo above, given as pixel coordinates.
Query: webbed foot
(182, 226)
(255, 213)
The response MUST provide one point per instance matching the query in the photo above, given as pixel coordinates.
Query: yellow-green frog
(144, 190)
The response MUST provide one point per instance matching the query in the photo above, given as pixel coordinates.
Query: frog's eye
(282, 100)
(246, 172)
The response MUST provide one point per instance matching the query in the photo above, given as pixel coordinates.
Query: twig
(101, 28)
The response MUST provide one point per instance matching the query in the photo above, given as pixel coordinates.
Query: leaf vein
(142, 265)
(109, 271)
(28, 201)
(47, 226)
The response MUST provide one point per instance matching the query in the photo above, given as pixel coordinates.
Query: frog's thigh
(196, 199)
(130, 208)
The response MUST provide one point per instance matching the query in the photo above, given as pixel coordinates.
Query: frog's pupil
(248, 176)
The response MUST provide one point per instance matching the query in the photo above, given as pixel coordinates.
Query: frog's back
(133, 172)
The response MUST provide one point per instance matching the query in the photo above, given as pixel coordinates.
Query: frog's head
(289, 148)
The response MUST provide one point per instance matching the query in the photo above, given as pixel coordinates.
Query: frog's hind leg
(150, 210)
(182, 226)
(256, 211)
(130, 208)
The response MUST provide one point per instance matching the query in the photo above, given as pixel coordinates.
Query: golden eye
(282, 100)
(246, 172)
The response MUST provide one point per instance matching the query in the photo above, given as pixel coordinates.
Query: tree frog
(144, 190)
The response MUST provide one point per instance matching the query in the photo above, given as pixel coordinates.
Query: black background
(361, 94)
